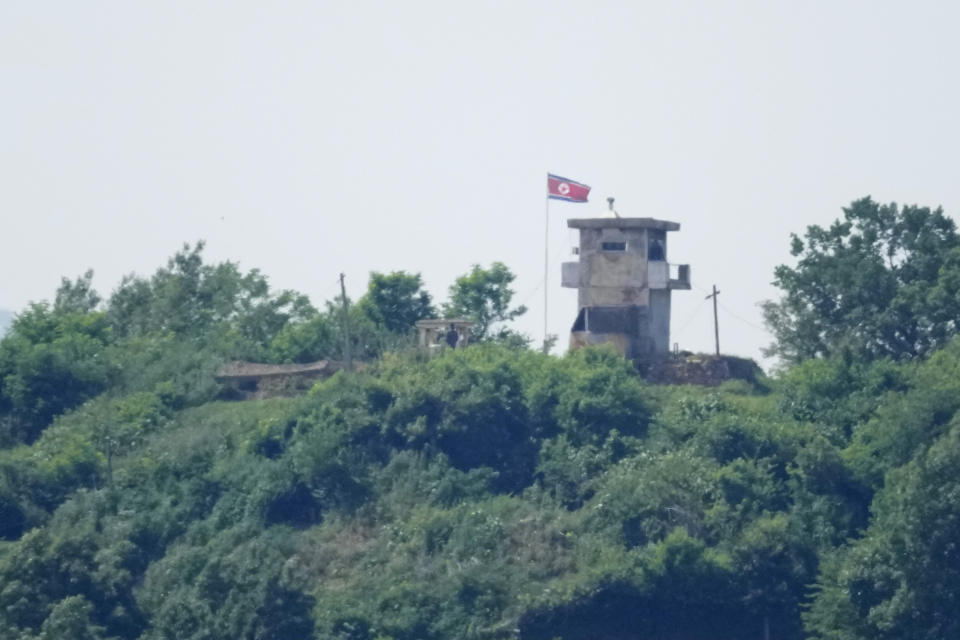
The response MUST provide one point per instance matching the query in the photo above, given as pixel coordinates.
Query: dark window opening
(656, 250)
(613, 246)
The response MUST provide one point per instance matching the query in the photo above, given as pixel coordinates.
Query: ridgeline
(486, 492)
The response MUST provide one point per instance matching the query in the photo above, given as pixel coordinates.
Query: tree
(206, 303)
(50, 362)
(71, 618)
(396, 300)
(78, 296)
(902, 579)
(883, 282)
(484, 296)
(306, 341)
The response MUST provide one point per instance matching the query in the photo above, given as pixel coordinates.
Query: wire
(530, 293)
(689, 319)
(696, 286)
(743, 320)
(731, 313)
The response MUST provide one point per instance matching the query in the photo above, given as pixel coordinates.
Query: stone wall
(700, 369)
(253, 380)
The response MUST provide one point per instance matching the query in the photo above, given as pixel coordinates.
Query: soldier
(452, 337)
(656, 250)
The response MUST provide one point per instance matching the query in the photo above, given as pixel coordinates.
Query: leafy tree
(314, 339)
(678, 588)
(884, 281)
(469, 405)
(908, 421)
(368, 339)
(902, 579)
(775, 567)
(484, 295)
(233, 587)
(71, 618)
(396, 300)
(838, 393)
(209, 304)
(50, 362)
(78, 296)
(382, 320)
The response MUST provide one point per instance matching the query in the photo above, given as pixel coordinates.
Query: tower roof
(623, 223)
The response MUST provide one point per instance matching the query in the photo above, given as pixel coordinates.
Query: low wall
(700, 369)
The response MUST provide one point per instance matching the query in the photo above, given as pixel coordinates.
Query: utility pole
(346, 325)
(716, 326)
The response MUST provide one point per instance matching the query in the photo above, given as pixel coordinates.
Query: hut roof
(257, 370)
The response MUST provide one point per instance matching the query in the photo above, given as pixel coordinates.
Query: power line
(733, 314)
(690, 318)
(744, 320)
(530, 293)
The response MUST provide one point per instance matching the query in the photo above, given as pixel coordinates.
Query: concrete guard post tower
(624, 283)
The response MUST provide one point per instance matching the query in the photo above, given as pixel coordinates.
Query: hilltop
(486, 492)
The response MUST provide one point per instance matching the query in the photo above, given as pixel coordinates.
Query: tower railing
(679, 275)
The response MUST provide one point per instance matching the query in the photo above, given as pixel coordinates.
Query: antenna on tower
(612, 210)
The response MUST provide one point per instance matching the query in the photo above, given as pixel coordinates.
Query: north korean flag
(563, 189)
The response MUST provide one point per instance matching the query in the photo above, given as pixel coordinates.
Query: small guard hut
(437, 333)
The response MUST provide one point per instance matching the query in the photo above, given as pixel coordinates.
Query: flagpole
(546, 261)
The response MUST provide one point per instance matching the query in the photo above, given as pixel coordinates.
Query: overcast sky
(310, 138)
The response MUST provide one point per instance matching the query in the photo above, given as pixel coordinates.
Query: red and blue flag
(560, 188)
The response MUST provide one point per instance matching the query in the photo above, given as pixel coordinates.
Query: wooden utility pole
(346, 325)
(716, 326)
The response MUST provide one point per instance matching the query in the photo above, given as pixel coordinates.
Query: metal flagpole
(546, 260)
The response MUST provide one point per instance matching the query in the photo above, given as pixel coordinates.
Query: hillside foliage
(491, 492)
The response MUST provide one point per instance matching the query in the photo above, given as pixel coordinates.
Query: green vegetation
(884, 282)
(490, 492)
(484, 295)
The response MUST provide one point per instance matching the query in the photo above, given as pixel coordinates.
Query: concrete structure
(434, 332)
(258, 380)
(624, 283)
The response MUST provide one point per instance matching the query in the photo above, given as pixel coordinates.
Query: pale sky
(310, 138)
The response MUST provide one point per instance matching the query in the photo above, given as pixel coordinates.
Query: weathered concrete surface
(659, 327)
(623, 264)
(623, 223)
(570, 275)
(258, 370)
(585, 338)
(700, 369)
(249, 380)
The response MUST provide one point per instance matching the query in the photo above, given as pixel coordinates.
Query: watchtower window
(613, 246)
(656, 250)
